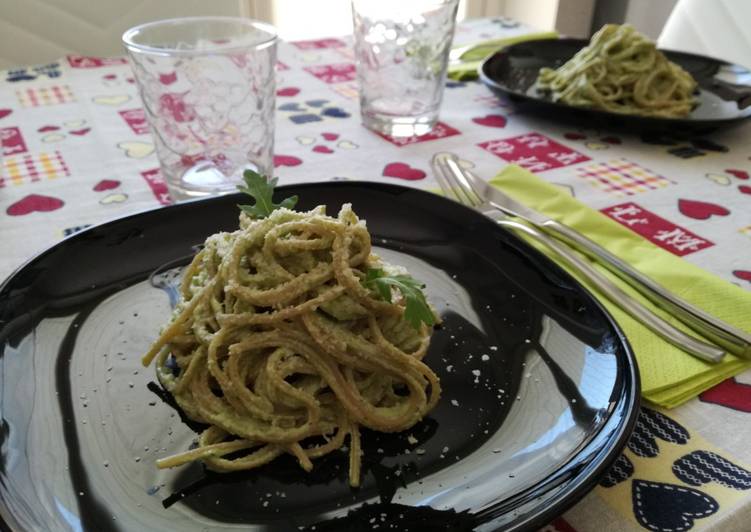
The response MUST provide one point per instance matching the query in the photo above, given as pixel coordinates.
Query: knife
(731, 338)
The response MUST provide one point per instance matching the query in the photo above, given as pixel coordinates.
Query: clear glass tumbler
(402, 48)
(208, 88)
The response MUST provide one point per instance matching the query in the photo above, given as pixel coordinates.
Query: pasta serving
(621, 71)
(291, 335)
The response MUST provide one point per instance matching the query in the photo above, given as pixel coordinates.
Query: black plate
(724, 89)
(540, 387)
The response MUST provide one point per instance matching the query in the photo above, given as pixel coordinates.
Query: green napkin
(669, 376)
(464, 67)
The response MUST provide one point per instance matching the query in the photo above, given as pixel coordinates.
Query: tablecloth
(77, 151)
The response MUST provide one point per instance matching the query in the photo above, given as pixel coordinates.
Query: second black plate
(724, 88)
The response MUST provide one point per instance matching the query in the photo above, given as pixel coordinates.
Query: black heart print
(701, 467)
(665, 507)
(650, 426)
(621, 470)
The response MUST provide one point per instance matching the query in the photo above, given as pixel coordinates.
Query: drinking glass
(401, 49)
(208, 88)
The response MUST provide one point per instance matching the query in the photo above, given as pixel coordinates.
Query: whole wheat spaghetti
(280, 347)
(622, 71)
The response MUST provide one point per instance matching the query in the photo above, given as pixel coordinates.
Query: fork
(454, 184)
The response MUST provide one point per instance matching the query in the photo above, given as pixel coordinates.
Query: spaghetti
(280, 347)
(621, 71)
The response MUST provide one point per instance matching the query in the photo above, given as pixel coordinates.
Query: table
(77, 151)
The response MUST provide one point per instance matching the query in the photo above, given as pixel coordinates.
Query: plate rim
(579, 485)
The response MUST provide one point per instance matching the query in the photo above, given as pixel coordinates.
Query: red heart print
(80, 132)
(106, 184)
(740, 174)
(729, 393)
(743, 274)
(330, 136)
(110, 77)
(168, 79)
(323, 149)
(491, 120)
(611, 140)
(574, 136)
(700, 210)
(286, 160)
(173, 105)
(5, 112)
(403, 171)
(34, 203)
(745, 189)
(47, 129)
(288, 91)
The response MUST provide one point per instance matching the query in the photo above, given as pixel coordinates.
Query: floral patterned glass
(402, 50)
(207, 85)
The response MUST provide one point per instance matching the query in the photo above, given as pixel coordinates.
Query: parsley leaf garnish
(262, 190)
(417, 309)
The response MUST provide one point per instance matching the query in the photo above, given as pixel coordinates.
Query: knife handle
(689, 344)
(732, 339)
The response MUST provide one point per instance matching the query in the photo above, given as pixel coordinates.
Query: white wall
(540, 14)
(649, 16)
(309, 19)
(570, 17)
